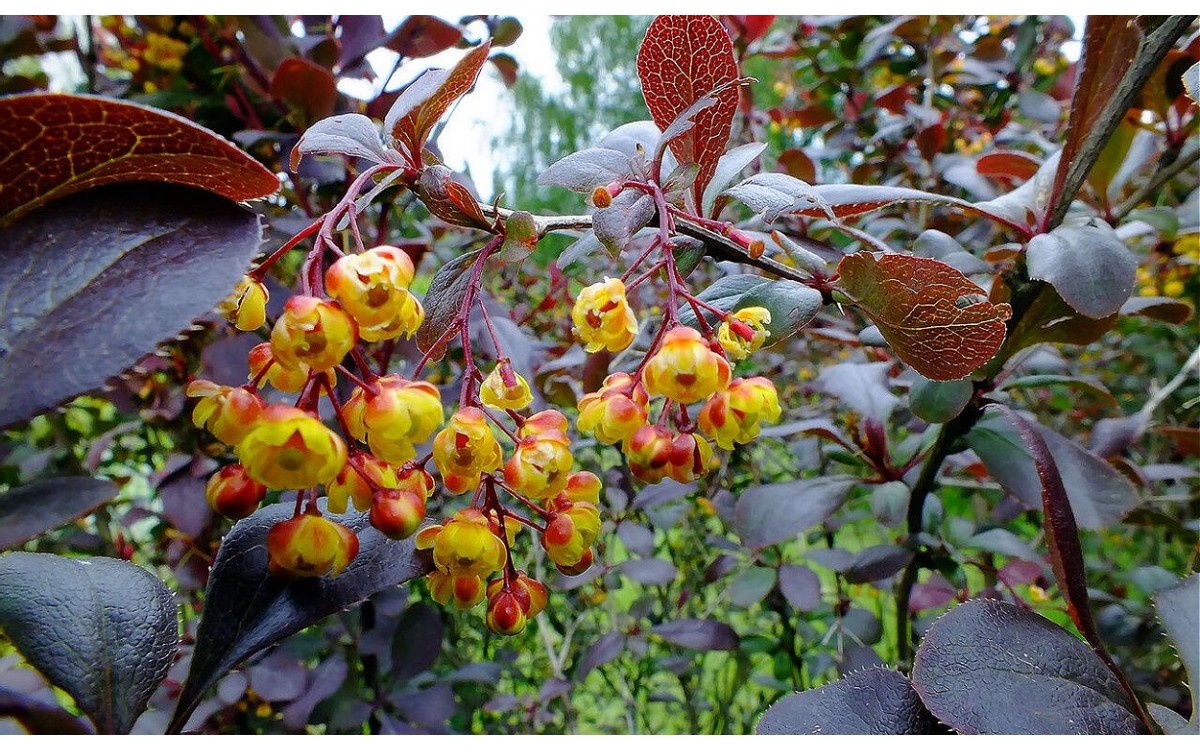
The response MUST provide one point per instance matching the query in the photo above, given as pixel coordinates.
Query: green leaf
(1093, 387)
(990, 667)
(103, 630)
(92, 282)
(939, 402)
(32, 510)
(246, 609)
(934, 318)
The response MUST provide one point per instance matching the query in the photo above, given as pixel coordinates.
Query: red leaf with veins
(58, 144)
(935, 319)
(681, 60)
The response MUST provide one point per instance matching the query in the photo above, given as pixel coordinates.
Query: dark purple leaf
(1111, 436)
(863, 386)
(72, 269)
(184, 507)
(720, 567)
(772, 513)
(350, 135)
(39, 717)
(1099, 494)
(1166, 309)
(1178, 610)
(703, 635)
(874, 701)
(33, 509)
(555, 687)
(327, 679)
(101, 629)
(1020, 572)
(246, 609)
(418, 641)
(444, 299)
(430, 708)
(1089, 265)
(940, 246)
(934, 593)
(989, 667)
(583, 171)
(800, 586)
(616, 225)
(651, 571)
(605, 650)
(792, 305)
(751, 585)
(877, 563)
(278, 677)
(637, 538)
(664, 492)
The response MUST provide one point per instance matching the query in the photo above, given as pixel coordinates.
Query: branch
(717, 246)
(1151, 51)
(1186, 159)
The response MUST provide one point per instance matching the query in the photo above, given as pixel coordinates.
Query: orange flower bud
(289, 449)
(584, 563)
(372, 285)
(530, 593)
(464, 591)
(548, 421)
(465, 546)
(603, 318)
(614, 412)
(397, 513)
(228, 413)
(310, 545)
(232, 493)
(464, 449)
(414, 479)
(743, 332)
(504, 388)
(398, 416)
(288, 380)
(690, 457)
(570, 531)
(540, 466)
(582, 487)
(736, 414)
(684, 369)
(357, 482)
(505, 613)
(246, 307)
(649, 451)
(314, 332)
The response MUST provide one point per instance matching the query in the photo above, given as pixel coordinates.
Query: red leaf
(432, 94)
(62, 144)
(748, 28)
(681, 60)
(1016, 165)
(1110, 44)
(935, 319)
(306, 86)
(423, 36)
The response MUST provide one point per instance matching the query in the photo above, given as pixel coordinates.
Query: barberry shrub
(391, 418)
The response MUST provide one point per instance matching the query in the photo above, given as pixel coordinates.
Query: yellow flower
(357, 481)
(289, 449)
(465, 546)
(310, 545)
(540, 466)
(399, 415)
(736, 414)
(684, 369)
(228, 413)
(614, 412)
(246, 307)
(314, 332)
(505, 389)
(570, 532)
(164, 52)
(464, 591)
(280, 377)
(407, 319)
(743, 332)
(603, 318)
(372, 285)
(464, 449)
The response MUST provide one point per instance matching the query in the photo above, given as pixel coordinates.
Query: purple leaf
(772, 513)
(652, 571)
(1088, 265)
(33, 509)
(583, 171)
(350, 135)
(800, 586)
(874, 701)
(606, 649)
(703, 635)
